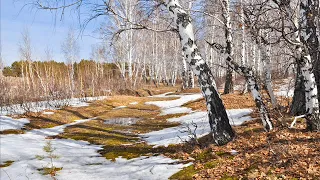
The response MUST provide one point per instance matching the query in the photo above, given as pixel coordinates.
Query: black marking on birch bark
(171, 8)
(197, 68)
(219, 122)
(190, 42)
(195, 52)
(180, 38)
(183, 19)
(312, 109)
(193, 62)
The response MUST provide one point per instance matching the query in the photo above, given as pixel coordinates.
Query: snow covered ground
(79, 159)
(120, 107)
(47, 105)
(285, 91)
(9, 123)
(286, 88)
(194, 122)
(48, 113)
(174, 106)
(179, 134)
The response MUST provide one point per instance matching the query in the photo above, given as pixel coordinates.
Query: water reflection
(122, 121)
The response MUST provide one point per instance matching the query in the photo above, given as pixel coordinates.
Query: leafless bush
(191, 130)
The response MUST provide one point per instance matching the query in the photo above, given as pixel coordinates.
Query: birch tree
(70, 49)
(219, 122)
(25, 50)
(303, 34)
(307, 46)
(266, 60)
(243, 42)
(247, 72)
(229, 46)
(184, 72)
(258, 19)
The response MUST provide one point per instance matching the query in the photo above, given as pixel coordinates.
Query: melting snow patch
(120, 107)
(284, 92)
(239, 116)
(286, 89)
(174, 106)
(196, 122)
(176, 110)
(10, 123)
(176, 103)
(78, 159)
(134, 103)
(122, 121)
(148, 168)
(80, 104)
(233, 152)
(25, 146)
(55, 130)
(165, 95)
(45, 105)
(48, 113)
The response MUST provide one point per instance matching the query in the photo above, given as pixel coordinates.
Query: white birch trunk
(248, 73)
(305, 62)
(228, 88)
(254, 62)
(243, 42)
(219, 122)
(266, 62)
(129, 9)
(184, 73)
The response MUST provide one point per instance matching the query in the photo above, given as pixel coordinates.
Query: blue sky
(44, 31)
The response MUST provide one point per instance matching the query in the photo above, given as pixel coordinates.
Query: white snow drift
(174, 106)
(47, 105)
(79, 159)
(196, 122)
(193, 123)
(9, 123)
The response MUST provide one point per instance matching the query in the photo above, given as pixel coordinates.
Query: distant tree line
(15, 70)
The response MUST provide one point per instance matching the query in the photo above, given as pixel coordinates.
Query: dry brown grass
(148, 90)
(6, 164)
(103, 109)
(128, 112)
(162, 89)
(231, 101)
(60, 117)
(192, 90)
(11, 131)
